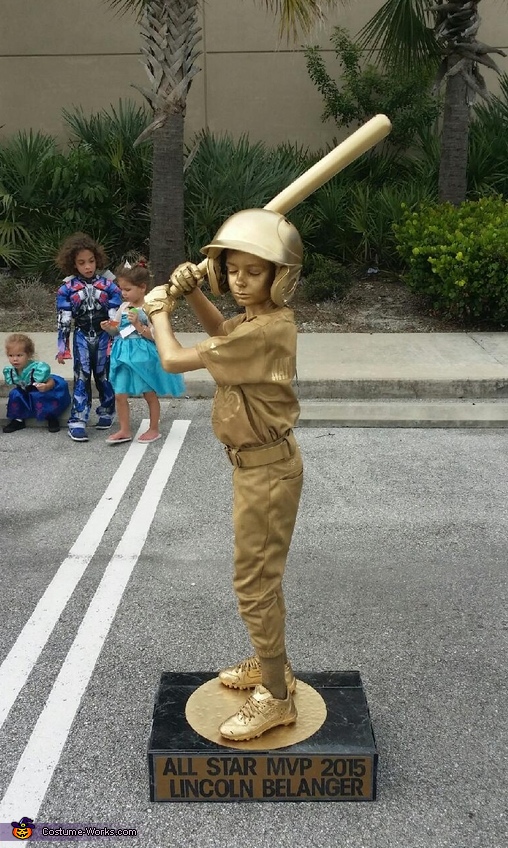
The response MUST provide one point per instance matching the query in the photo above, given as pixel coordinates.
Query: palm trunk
(170, 46)
(454, 137)
(166, 227)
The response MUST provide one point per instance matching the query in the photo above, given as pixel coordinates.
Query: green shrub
(99, 184)
(225, 175)
(324, 279)
(353, 220)
(27, 166)
(459, 257)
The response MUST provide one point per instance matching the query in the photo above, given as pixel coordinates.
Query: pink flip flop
(149, 441)
(112, 441)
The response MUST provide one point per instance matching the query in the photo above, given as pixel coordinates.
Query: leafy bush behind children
(99, 184)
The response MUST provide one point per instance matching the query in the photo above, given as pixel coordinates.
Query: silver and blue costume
(87, 302)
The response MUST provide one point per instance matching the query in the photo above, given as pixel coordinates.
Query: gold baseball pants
(265, 504)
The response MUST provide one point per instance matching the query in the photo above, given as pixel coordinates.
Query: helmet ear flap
(284, 285)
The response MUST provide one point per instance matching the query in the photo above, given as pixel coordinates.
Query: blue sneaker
(104, 422)
(77, 433)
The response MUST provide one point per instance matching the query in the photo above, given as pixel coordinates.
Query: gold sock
(273, 675)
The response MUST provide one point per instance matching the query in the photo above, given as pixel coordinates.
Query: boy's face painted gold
(85, 263)
(17, 356)
(250, 279)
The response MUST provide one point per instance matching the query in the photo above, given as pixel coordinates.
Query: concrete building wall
(57, 54)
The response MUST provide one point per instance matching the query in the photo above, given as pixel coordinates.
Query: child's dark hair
(136, 273)
(66, 256)
(20, 338)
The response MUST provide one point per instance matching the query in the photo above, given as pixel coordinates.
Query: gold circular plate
(212, 703)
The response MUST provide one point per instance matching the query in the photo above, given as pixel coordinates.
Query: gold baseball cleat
(247, 675)
(260, 713)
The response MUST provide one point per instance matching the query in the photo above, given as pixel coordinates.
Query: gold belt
(283, 448)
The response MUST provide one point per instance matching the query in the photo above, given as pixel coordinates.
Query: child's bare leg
(154, 409)
(123, 413)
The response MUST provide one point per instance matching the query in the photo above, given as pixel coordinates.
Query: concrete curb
(200, 385)
(412, 414)
(479, 414)
(351, 369)
(411, 389)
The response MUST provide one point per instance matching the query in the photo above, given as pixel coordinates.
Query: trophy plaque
(328, 754)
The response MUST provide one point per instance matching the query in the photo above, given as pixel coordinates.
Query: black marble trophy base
(337, 763)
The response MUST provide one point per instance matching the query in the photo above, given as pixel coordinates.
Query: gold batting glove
(159, 300)
(184, 279)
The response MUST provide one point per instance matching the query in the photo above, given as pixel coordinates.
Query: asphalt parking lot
(117, 566)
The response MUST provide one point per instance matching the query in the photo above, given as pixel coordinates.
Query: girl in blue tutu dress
(134, 367)
(36, 392)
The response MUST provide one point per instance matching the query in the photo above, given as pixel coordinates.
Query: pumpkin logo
(23, 829)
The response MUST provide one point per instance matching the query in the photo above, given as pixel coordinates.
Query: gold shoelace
(251, 708)
(248, 664)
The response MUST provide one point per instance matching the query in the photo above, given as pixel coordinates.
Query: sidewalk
(374, 379)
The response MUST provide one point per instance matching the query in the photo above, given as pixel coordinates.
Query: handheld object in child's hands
(126, 331)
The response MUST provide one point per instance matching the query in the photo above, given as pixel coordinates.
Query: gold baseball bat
(336, 160)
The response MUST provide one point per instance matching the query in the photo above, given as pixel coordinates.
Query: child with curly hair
(36, 393)
(135, 367)
(88, 298)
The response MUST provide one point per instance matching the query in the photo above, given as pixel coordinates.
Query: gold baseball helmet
(263, 233)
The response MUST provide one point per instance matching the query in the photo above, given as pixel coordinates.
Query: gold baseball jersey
(253, 362)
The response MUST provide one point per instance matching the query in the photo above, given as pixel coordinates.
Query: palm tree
(414, 31)
(170, 46)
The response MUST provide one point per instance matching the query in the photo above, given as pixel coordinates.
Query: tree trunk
(454, 137)
(166, 227)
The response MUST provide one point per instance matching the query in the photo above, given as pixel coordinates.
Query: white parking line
(27, 648)
(33, 774)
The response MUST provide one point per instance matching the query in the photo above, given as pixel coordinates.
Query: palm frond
(9, 255)
(400, 35)
(27, 161)
(125, 6)
(298, 15)
(123, 123)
